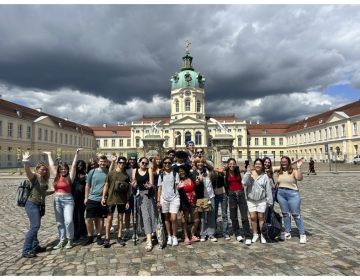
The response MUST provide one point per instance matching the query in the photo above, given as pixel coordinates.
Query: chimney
(257, 122)
(104, 125)
(39, 109)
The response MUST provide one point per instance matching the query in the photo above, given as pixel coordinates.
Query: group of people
(183, 182)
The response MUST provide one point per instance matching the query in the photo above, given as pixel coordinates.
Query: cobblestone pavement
(330, 207)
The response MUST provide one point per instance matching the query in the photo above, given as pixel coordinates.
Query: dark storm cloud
(121, 52)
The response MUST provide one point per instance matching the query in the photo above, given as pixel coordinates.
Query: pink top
(62, 186)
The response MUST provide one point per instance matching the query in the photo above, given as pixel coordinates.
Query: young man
(95, 212)
(116, 194)
(199, 152)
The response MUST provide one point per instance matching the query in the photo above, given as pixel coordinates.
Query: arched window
(178, 138)
(198, 106)
(187, 136)
(177, 106)
(187, 105)
(239, 141)
(198, 138)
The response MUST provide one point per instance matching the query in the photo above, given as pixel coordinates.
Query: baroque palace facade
(332, 135)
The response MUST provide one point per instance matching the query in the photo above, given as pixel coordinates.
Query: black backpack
(23, 193)
(272, 226)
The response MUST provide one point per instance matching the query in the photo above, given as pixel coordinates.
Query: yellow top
(286, 180)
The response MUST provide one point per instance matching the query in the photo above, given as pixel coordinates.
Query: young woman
(237, 201)
(40, 188)
(289, 196)
(78, 192)
(204, 189)
(270, 172)
(258, 194)
(186, 189)
(143, 181)
(168, 199)
(221, 198)
(64, 201)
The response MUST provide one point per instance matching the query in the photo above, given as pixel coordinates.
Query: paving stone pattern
(330, 208)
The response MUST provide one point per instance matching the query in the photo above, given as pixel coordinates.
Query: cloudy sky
(107, 63)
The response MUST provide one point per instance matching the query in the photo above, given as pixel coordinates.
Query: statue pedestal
(153, 145)
(222, 149)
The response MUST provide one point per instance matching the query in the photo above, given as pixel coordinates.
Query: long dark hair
(82, 170)
(92, 163)
(236, 169)
(262, 164)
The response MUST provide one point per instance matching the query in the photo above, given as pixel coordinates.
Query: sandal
(187, 242)
(194, 238)
(148, 246)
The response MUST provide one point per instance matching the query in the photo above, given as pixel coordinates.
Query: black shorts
(120, 208)
(94, 209)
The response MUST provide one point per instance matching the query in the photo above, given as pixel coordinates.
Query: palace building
(329, 136)
(332, 135)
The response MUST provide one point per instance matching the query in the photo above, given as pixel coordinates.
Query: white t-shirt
(168, 188)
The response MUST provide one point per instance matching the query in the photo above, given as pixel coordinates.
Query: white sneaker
(202, 239)
(174, 241)
(227, 237)
(287, 235)
(302, 238)
(112, 229)
(239, 238)
(60, 245)
(169, 242)
(262, 239)
(69, 244)
(255, 238)
(248, 242)
(213, 239)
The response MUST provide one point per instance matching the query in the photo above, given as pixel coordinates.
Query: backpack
(272, 226)
(23, 193)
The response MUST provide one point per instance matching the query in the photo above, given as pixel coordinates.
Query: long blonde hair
(42, 179)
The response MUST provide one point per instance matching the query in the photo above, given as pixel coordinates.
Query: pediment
(188, 121)
(337, 116)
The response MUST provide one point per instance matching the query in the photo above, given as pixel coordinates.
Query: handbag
(42, 209)
(204, 205)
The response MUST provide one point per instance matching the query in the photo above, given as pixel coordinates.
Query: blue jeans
(290, 201)
(223, 200)
(64, 210)
(31, 240)
(207, 219)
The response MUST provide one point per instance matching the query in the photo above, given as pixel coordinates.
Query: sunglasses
(199, 152)
(121, 162)
(144, 163)
(167, 162)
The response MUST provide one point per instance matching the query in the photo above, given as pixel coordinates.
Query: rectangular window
(256, 141)
(343, 133)
(56, 137)
(240, 154)
(272, 141)
(281, 153)
(51, 136)
(273, 154)
(128, 142)
(264, 153)
(336, 131)
(330, 133)
(105, 143)
(121, 142)
(239, 130)
(66, 139)
(39, 134)
(20, 129)
(355, 128)
(61, 138)
(326, 134)
(137, 142)
(281, 141)
(10, 129)
(239, 141)
(97, 143)
(113, 143)
(264, 141)
(46, 135)
(257, 154)
(28, 132)
(71, 138)
(319, 134)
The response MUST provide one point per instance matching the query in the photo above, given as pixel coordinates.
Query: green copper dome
(187, 77)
